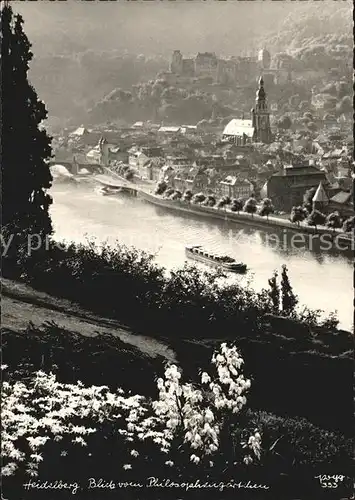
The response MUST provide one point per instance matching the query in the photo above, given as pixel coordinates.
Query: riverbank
(330, 238)
(339, 238)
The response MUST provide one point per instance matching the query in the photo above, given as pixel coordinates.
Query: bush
(295, 441)
(316, 218)
(298, 214)
(161, 187)
(187, 196)
(348, 225)
(236, 205)
(334, 220)
(250, 206)
(266, 208)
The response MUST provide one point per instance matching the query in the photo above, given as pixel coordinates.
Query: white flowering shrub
(184, 423)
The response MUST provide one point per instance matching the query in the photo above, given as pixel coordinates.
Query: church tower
(261, 116)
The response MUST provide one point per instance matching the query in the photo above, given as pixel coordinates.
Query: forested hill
(83, 50)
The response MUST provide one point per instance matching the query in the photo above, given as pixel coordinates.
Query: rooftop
(342, 197)
(292, 170)
(320, 194)
(169, 129)
(238, 127)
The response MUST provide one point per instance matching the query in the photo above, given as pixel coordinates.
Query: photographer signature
(326, 481)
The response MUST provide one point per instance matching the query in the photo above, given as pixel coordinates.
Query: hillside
(85, 50)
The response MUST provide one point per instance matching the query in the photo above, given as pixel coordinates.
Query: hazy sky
(161, 26)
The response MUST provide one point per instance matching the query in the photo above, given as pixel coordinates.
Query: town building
(193, 179)
(140, 160)
(166, 130)
(178, 162)
(234, 187)
(342, 202)
(286, 188)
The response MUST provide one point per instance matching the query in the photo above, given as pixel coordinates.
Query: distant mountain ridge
(82, 48)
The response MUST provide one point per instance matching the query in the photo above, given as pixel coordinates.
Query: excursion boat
(196, 252)
(108, 190)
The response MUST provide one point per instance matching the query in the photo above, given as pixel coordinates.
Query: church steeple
(261, 117)
(260, 100)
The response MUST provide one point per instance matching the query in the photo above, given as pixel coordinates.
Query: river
(321, 280)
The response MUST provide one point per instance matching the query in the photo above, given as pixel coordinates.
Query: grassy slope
(21, 305)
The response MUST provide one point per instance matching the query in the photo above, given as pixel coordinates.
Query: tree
(316, 218)
(177, 195)
(198, 198)
(334, 220)
(236, 205)
(274, 293)
(289, 300)
(224, 201)
(266, 208)
(187, 195)
(161, 187)
(284, 123)
(169, 192)
(129, 174)
(298, 214)
(26, 148)
(349, 225)
(210, 201)
(250, 206)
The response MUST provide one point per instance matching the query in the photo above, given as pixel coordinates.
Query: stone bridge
(93, 168)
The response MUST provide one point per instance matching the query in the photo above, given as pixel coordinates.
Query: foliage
(266, 208)
(298, 214)
(348, 225)
(210, 201)
(334, 220)
(250, 206)
(198, 198)
(274, 293)
(161, 188)
(284, 123)
(289, 300)
(236, 205)
(187, 196)
(129, 175)
(169, 192)
(87, 273)
(176, 195)
(26, 148)
(316, 218)
(281, 435)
